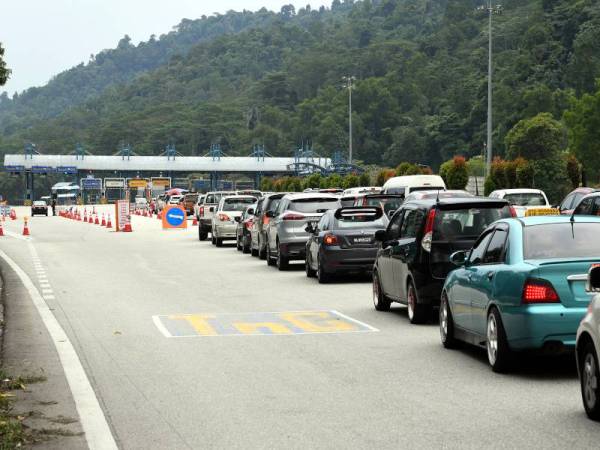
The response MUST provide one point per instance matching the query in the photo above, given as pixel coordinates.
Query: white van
(411, 183)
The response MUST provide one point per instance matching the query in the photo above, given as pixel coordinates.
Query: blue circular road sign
(175, 217)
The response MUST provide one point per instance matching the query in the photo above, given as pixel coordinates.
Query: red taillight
(265, 220)
(537, 291)
(293, 216)
(513, 211)
(428, 236)
(430, 220)
(224, 218)
(330, 239)
(202, 211)
(249, 224)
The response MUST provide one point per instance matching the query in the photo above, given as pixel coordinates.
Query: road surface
(191, 346)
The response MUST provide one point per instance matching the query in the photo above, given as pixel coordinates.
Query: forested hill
(420, 94)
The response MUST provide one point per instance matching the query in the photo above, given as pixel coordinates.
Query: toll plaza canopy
(121, 163)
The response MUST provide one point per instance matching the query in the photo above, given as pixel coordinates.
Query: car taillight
(428, 236)
(265, 220)
(330, 239)
(539, 291)
(513, 211)
(249, 224)
(202, 211)
(293, 216)
(224, 218)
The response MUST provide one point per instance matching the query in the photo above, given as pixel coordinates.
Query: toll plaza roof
(157, 163)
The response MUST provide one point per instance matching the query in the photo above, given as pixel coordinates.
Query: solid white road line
(96, 429)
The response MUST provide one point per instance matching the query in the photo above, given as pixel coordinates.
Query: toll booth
(137, 188)
(158, 186)
(91, 190)
(114, 189)
(201, 186)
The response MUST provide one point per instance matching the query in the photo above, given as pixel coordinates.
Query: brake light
(202, 211)
(513, 211)
(330, 239)
(249, 224)
(224, 218)
(265, 220)
(293, 216)
(539, 291)
(428, 236)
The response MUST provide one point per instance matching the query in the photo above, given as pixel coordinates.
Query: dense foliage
(4, 72)
(245, 78)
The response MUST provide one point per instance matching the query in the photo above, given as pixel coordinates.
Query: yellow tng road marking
(199, 323)
(254, 328)
(300, 320)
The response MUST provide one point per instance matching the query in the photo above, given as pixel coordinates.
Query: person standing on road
(53, 206)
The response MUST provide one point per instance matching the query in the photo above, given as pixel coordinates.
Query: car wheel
(322, 275)
(213, 240)
(590, 378)
(253, 251)
(380, 300)
(446, 324)
(262, 249)
(310, 272)
(238, 245)
(219, 242)
(202, 235)
(270, 261)
(499, 355)
(417, 312)
(245, 245)
(282, 261)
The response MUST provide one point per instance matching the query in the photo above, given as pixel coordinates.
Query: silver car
(286, 235)
(224, 225)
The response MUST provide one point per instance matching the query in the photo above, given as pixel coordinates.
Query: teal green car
(521, 286)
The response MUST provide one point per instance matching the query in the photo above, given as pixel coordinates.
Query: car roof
(455, 201)
(227, 197)
(520, 191)
(302, 195)
(543, 220)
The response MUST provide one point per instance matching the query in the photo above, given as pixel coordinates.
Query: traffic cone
(78, 216)
(96, 221)
(103, 220)
(25, 227)
(195, 221)
(1, 230)
(108, 222)
(159, 215)
(13, 214)
(127, 228)
(85, 216)
(91, 219)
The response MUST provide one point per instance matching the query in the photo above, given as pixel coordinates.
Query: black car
(343, 242)
(244, 225)
(388, 202)
(414, 258)
(258, 243)
(39, 207)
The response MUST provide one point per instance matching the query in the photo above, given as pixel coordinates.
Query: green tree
(4, 71)
(351, 180)
(573, 171)
(455, 173)
(536, 138)
(364, 180)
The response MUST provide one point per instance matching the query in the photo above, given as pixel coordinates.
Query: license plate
(362, 240)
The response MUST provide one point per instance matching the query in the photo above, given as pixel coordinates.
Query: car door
(405, 252)
(484, 278)
(386, 275)
(315, 240)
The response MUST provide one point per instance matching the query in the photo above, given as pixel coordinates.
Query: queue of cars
(499, 272)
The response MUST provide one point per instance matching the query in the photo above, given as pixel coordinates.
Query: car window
(567, 202)
(259, 204)
(478, 250)
(323, 223)
(313, 205)
(526, 199)
(210, 199)
(585, 207)
(495, 251)
(577, 240)
(411, 223)
(393, 230)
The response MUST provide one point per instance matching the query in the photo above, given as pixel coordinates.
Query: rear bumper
(293, 250)
(536, 326)
(341, 260)
(226, 231)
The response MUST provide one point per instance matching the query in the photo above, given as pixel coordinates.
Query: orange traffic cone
(1, 230)
(13, 214)
(159, 215)
(195, 221)
(25, 227)
(103, 221)
(108, 222)
(85, 216)
(127, 228)
(96, 221)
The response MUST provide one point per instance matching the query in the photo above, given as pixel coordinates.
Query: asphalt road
(350, 387)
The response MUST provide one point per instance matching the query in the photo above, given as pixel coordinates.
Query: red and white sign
(122, 214)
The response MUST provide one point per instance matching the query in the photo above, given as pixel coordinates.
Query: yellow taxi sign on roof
(542, 212)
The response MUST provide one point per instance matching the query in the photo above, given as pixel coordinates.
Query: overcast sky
(44, 37)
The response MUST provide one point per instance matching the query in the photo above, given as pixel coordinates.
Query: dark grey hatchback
(343, 241)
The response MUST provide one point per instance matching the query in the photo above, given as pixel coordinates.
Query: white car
(406, 184)
(223, 224)
(523, 199)
(588, 348)
(175, 199)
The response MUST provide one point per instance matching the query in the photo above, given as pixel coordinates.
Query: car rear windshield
(237, 204)
(273, 204)
(360, 221)
(562, 240)
(39, 203)
(386, 204)
(313, 205)
(465, 222)
(526, 199)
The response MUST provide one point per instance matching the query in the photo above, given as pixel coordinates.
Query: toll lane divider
(259, 324)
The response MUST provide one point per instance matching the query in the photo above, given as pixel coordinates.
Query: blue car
(521, 286)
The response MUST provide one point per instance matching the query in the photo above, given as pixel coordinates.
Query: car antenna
(437, 196)
(572, 220)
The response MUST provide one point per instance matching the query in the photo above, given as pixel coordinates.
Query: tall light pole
(349, 84)
(491, 10)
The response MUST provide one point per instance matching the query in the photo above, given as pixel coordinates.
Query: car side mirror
(309, 228)
(250, 212)
(391, 213)
(381, 235)
(270, 214)
(458, 258)
(593, 280)
(238, 219)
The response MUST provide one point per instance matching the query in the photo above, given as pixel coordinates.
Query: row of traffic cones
(25, 227)
(93, 217)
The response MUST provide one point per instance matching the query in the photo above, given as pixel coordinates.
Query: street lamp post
(491, 10)
(349, 84)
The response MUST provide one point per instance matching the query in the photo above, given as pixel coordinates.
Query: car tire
(219, 242)
(268, 257)
(417, 312)
(446, 323)
(202, 235)
(590, 381)
(498, 351)
(238, 245)
(282, 261)
(380, 300)
(262, 250)
(253, 251)
(310, 272)
(322, 275)
(245, 245)
(213, 239)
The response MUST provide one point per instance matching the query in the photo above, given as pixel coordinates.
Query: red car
(572, 200)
